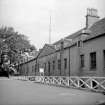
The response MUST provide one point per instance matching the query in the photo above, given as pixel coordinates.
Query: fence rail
(89, 83)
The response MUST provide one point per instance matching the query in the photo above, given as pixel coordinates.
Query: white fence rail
(90, 83)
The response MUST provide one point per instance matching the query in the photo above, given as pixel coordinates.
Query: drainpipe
(82, 36)
(69, 61)
(78, 55)
(68, 40)
(61, 58)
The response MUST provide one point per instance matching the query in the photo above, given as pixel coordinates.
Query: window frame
(82, 60)
(53, 65)
(79, 43)
(93, 60)
(44, 66)
(65, 63)
(49, 67)
(59, 64)
(104, 58)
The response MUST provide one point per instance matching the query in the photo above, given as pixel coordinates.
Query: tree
(17, 43)
(32, 48)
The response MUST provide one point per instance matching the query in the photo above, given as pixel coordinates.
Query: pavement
(17, 92)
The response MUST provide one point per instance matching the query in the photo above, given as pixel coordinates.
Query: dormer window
(80, 43)
(85, 33)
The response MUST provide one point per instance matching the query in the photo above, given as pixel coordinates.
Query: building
(79, 54)
(27, 63)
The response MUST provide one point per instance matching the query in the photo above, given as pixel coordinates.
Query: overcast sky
(32, 17)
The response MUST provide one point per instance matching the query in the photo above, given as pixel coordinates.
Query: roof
(76, 34)
(72, 36)
(46, 50)
(97, 28)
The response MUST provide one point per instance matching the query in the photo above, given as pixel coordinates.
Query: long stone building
(79, 54)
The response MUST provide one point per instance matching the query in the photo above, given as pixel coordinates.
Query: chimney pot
(91, 17)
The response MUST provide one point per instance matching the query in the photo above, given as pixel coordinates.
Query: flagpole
(50, 31)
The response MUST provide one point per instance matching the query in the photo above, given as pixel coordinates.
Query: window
(38, 66)
(104, 57)
(59, 64)
(49, 68)
(44, 66)
(65, 63)
(53, 65)
(79, 43)
(33, 68)
(82, 60)
(93, 60)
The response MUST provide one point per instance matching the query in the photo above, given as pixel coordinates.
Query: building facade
(79, 54)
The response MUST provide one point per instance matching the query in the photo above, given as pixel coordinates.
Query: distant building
(27, 63)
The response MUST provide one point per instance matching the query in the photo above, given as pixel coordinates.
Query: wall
(66, 55)
(31, 68)
(73, 66)
(96, 45)
(27, 68)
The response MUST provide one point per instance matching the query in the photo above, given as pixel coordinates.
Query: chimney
(91, 17)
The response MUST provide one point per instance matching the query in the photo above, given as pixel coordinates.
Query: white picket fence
(88, 83)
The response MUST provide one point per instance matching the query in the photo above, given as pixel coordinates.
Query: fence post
(68, 83)
(78, 82)
(91, 83)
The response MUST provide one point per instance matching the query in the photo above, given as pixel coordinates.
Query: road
(17, 92)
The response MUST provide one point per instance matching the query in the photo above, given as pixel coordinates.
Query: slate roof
(46, 50)
(74, 35)
(97, 28)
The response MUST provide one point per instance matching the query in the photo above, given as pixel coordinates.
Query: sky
(32, 17)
